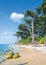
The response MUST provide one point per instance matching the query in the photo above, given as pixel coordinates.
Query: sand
(27, 57)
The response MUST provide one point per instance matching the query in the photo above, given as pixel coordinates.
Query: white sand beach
(28, 56)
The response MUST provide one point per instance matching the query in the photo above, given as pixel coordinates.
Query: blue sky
(11, 15)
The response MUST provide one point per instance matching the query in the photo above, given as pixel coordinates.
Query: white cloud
(7, 37)
(8, 33)
(17, 17)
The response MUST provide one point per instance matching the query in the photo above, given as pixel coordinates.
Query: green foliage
(42, 41)
(29, 39)
(37, 38)
(25, 41)
(22, 41)
(25, 30)
(44, 38)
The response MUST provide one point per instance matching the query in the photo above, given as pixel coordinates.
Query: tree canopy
(39, 20)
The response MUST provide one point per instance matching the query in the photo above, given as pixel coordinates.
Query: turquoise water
(4, 48)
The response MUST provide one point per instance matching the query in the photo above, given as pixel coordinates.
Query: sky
(11, 15)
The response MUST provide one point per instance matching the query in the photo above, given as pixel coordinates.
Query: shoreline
(27, 57)
(39, 48)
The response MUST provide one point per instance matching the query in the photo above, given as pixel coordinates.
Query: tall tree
(35, 22)
(42, 18)
(38, 19)
(23, 31)
(33, 16)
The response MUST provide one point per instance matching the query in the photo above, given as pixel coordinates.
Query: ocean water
(4, 48)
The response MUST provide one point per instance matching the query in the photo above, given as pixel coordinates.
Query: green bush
(45, 36)
(42, 41)
(29, 39)
(22, 41)
(37, 38)
(25, 41)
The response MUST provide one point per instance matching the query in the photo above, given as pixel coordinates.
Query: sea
(5, 48)
(8, 47)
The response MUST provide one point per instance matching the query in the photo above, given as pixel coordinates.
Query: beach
(28, 56)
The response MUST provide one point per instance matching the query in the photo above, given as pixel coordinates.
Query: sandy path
(28, 57)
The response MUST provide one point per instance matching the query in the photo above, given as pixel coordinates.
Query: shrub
(45, 36)
(29, 39)
(25, 41)
(22, 41)
(37, 38)
(42, 41)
